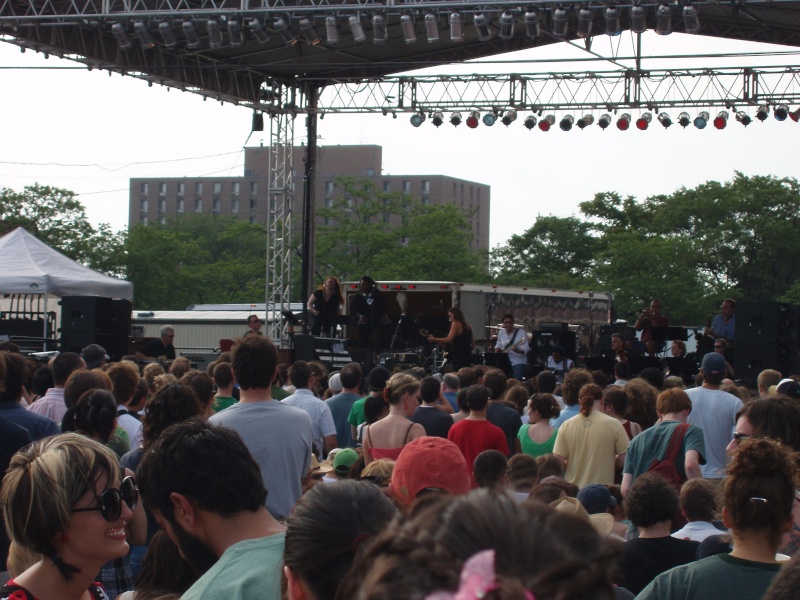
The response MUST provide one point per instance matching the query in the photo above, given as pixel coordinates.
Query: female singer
(459, 339)
(326, 304)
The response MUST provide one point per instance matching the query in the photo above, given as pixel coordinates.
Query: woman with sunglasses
(65, 498)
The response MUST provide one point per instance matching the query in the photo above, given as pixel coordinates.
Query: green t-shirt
(652, 444)
(222, 402)
(356, 416)
(278, 393)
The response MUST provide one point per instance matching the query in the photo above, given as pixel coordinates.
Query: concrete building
(154, 200)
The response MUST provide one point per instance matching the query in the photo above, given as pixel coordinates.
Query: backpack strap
(675, 442)
(18, 592)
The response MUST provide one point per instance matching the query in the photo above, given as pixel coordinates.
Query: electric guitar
(445, 347)
(521, 341)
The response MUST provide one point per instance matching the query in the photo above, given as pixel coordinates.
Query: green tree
(57, 218)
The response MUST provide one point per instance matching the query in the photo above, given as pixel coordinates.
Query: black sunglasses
(741, 436)
(109, 503)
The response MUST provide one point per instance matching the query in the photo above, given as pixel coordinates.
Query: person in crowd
(386, 438)
(597, 499)
(518, 397)
(253, 325)
(786, 584)
(591, 443)
(546, 384)
(165, 574)
(11, 391)
(149, 373)
(649, 319)
(523, 474)
(323, 427)
(124, 384)
(713, 411)
(52, 405)
(325, 304)
(674, 408)
(342, 402)
(654, 376)
(95, 356)
(641, 402)
(376, 382)
(43, 380)
(538, 437)
(375, 409)
(513, 341)
(724, 324)
(278, 436)
(559, 363)
(650, 505)
(230, 538)
(619, 349)
(202, 387)
(615, 404)
(330, 528)
(436, 422)
(224, 384)
(63, 498)
(369, 309)
(757, 508)
(450, 385)
(766, 379)
(570, 392)
(701, 503)
(162, 348)
(94, 415)
(485, 545)
(179, 367)
(499, 413)
(722, 347)
(459, 339)
(490, 470)
(622, 373)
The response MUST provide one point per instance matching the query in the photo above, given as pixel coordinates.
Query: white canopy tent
(29, 266)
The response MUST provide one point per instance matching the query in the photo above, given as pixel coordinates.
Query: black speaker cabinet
(767, 337)
(304, 348)
(544, 342)
(86, 314)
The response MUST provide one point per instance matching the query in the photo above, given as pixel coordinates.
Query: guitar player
(514, 342)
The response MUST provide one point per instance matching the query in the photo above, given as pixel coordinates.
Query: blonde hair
(398, 385)
(382, 468)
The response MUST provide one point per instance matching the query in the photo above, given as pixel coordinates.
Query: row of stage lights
(482, 22)
(781, 112)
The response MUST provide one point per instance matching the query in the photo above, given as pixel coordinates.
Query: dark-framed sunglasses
(742, 436)
(109, 503)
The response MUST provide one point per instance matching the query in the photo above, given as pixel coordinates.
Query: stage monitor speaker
(120, 329)
(767, 337)
(86, 314)
(304, 347)
(545, 341)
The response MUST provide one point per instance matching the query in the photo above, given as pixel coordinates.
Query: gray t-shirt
(714, 411)
(279, 438)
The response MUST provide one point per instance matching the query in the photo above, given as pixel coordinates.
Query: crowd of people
(254, 479)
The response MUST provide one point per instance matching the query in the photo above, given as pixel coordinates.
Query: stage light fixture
(143, 33)
(456, 27)
(455, 119)
(604, 121)
(795, 115)
(533, 28)
(684, 119)
(332, 30)
(125, 43)
(762, 112)
(585, 22)
(664, 119)
(482, 27)
(530, 122)
(437, 118)
(407, 25)
(613, 20)
(721, 120)
(691, 22)
(545, 123)
(781, 112)
(432, 27)
(624, 122)
(743, 118)
(356, 29)
(282, 27)
(379, 33)
(509, 117)
(258, 121)
(256, 29)
(643, 122)
(308, 32)
(235, 33)
(506, 26)
(638, 19)
(474, 118)
(167, 34)
(566, 122)
(560, 22)
(663, 20)
(701, 120)
(585, 121)
(490, 118)
(417, 119)
(214, 33)
(192, 37)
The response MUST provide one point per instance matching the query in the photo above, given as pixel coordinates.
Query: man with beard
(206, 491)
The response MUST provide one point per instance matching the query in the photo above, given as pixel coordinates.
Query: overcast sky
(90, 132)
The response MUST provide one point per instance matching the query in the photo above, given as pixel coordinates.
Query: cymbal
(492, 327)
(501, 327)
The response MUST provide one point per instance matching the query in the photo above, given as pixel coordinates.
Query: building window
(253, 189)
(407, 186)
(144, 189)
(144, 219)
(328, 188)
(215, 206)
(180, 206)
(370, 172)
(234, 189)
(162, 219)
(253, 204)
(235, 205)
(426, 201)
(143, 205)
(198, 205)
(198, 189)
(162, 205)
(181, 189)
(162, 190)
(426, 186)
(328, 203)
(404, 240)
(387, 186)
(217, 188)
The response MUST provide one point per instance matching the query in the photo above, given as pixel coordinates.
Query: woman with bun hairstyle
(538, 437)
(386, 438)
(65, 498)
(757, 509)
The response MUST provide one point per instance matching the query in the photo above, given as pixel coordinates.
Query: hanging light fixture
(545, 123)
(168, 34)
(509, 117)
(214, 33)
(624, 122)
(282, 27)
(721, 120)
(474, 118)
(643, 122)
(701, 120)
(118, 29)
(743, 118)
(530, 122)
(585, 121)
(490, 117)
(432, 27)
(407, 25)
(257, 30)
(613, 20)
(356, 29)
(455, 119)
(437, 118)
(566, 122)
(584, 22)
(379, 33)
(684, 119)
(663, 20)
(795, 115)
(332, 30)
(456, 27)
(417, 119)
(308, 31)
(482, 27)
(235, 33)
(781, 112)
(638, 19)
(143, 33)
(691, 21)
(506, 26)
(533, 27)
(560, 22)
(664, 119)
(762, 113)
(604, 121)
(192, 37)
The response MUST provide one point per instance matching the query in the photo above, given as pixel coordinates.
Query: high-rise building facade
(154, 200)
